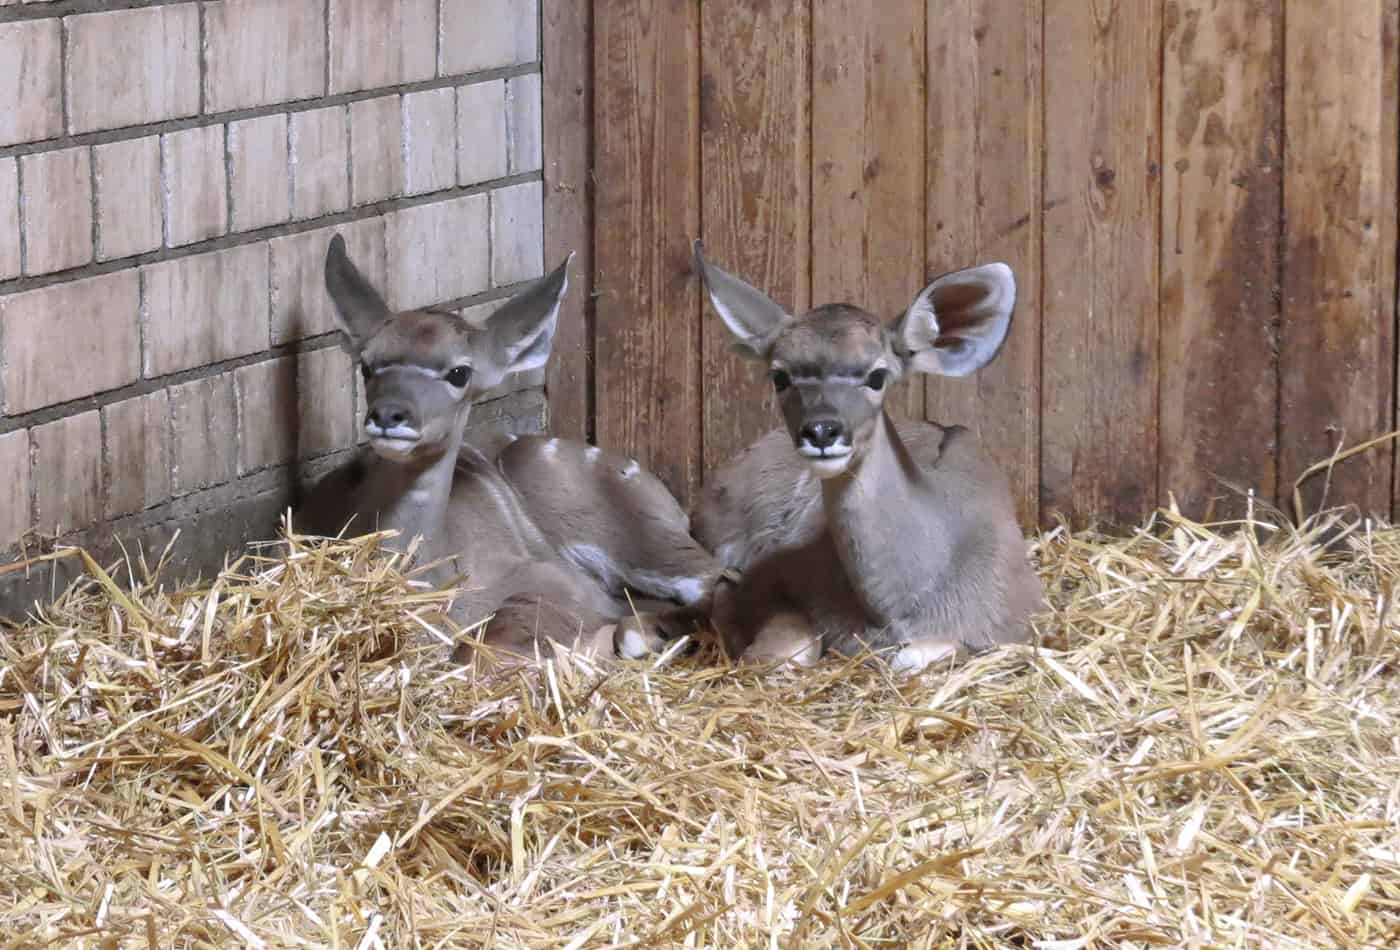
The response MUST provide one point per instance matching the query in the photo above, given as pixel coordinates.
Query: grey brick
(196, 185)
(267, 413)
(481, 132)
(70, 340)
(128, 67)
(136, 433)
(326, 388)
(31, 73)
(376, 149)
(57, 195)
(517, 233)
(14, 491)
(259, 52)
(205, 308)
(67, 470)
(524, 123)
(260, 183)
(204, 420)
(9, 218)
(129, 203)
(438, 252)
(485, 34)
(381, 43)
(320, 163)
(430, 140)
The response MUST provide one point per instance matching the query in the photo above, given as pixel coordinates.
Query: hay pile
(1202, 751)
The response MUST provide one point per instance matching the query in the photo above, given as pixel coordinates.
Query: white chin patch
(828, 467)
(394, 450)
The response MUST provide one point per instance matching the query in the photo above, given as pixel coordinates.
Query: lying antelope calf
(852, 531)
(547, 536)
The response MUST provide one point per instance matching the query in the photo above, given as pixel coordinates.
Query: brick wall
(170, 175)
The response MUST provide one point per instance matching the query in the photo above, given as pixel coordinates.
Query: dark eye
(458, 376)
(876, 380)
(781, 380)
(365, 371)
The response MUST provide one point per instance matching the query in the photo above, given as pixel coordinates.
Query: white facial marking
(394, 433)
(394, 444)
(551, 447)
(838, 451)
(829, 466)
(631, 469)
(413, 368)
(393, 450)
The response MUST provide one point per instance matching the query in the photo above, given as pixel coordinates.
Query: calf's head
(424, 368)
(832, 366)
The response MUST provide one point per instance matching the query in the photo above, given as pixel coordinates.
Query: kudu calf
(547, 536)
(852, 531)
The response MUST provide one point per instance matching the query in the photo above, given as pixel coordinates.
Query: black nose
(822, 433)
(391, 415)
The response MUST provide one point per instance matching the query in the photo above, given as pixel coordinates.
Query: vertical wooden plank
(867, 161)
(1336, 362)
(1221, 203)
(1101, 258)
(1389, 224)
(567, 57)
(646, 211)
(755, 152)
(984, 164)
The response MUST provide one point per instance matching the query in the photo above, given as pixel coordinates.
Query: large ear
(519, 335)
(751, 316)
(358, 306)
(957, 323)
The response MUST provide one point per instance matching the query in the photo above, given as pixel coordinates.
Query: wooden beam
(567, 56)
(1101, 258)
(646, 211)
(755, 98)
(1222, 167)
(984, 204)
(1337, 354)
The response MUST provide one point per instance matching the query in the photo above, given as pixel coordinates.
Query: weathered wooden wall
(1198, 197)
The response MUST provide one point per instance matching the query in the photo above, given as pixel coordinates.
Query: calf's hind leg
(524, 625)
(610, 518)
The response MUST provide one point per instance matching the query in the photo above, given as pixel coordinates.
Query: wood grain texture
(1101, 230)
(985, 99)
(1198, 197)
(867, 162)
(1221, 205)
(754, 97)
(646, 210)
(567, 56)
(1339, 200)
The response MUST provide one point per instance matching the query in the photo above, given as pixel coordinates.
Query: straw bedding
(1201, 750)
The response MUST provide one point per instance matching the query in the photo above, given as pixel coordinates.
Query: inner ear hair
(958, 323)
(521, 332)
(751, 316)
